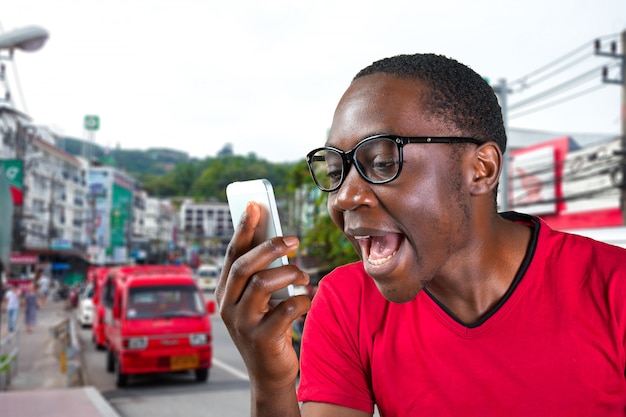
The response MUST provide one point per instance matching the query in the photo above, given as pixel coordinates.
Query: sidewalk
(40, 388)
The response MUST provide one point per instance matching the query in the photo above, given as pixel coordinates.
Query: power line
(582, 78)
(548, 98)
(558, 101)
(523, 81)
(564, 67)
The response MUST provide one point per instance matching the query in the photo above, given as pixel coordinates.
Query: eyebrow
(383, 133)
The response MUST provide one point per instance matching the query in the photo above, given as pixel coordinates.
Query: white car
(84, 310)
(207, 276)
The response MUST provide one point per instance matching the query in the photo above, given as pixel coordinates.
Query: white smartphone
(261, 190)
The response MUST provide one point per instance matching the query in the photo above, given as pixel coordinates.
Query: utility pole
(51, 229)
(612, 53)
(19, 233)
(502, 92)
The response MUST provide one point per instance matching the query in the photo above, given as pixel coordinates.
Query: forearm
(272, 402)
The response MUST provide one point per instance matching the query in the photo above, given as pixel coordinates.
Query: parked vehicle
(207, 276)
(74, 294)
(98, 277)
(60, 292)
(84, 311)
(156, 320)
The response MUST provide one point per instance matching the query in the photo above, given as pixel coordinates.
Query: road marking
(230, 369)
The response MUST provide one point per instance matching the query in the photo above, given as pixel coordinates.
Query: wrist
(274, 400)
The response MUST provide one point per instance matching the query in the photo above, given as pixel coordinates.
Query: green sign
(14, 172)
(6, 219)
(92, 122)
(121, 215)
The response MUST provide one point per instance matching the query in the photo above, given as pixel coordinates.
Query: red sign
(18, 195)
(23, 259)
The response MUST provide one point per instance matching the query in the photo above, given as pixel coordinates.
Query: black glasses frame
(348, 157)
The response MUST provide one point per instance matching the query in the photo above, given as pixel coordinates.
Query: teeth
(361, 237)
(380, 261)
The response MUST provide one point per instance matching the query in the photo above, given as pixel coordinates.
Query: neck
(472, 289)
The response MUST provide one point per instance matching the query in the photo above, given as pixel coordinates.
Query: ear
(487, 165)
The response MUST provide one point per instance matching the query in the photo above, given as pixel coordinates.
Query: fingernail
(290, 241)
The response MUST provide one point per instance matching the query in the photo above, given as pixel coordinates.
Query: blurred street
(40, 388)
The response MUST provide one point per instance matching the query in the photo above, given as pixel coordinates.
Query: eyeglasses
(378, 159)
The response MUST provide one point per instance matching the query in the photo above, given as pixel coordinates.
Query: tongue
(382, 247)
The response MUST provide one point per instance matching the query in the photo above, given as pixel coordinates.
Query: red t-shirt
(554, 345)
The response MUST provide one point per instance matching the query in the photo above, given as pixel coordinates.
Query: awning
(60, 266)
(23, 259)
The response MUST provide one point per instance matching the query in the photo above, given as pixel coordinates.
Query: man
(12, 305)
(454, 310)
(43, 281)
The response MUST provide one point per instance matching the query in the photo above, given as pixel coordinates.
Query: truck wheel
(202, 374)
(121, 379)
(110, 361)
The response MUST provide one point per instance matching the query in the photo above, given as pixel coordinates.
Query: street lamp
(29, 39)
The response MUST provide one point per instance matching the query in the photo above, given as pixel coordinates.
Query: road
(226, 394)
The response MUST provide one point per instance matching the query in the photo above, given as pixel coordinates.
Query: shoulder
(559, 246)
(580, 249)
(577, 262)
(347, 294)
(345, 276)
(349, 282)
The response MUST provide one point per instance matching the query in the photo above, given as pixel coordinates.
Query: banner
(14, 172)
(6, 220)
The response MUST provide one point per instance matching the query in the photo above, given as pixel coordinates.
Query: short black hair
(457, 93)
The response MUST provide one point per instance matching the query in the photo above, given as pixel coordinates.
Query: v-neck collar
(534, 223)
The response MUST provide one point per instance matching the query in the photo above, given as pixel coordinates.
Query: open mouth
(378, 250)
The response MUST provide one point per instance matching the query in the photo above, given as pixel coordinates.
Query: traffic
(150, 319)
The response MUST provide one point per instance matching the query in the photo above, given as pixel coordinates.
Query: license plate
(181, 362)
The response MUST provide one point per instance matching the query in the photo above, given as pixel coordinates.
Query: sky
(265, 76)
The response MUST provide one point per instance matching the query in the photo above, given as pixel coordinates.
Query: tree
(324, 242)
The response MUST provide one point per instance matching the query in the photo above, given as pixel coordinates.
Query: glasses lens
(327, 168)
(378, 159)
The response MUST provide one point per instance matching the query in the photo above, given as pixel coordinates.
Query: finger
(248, 273)
(289, 310)
(262, 284)
(239, 244)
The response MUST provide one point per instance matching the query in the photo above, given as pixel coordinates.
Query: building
(158, 229)
(112, 207)
(572, 188)
(205, 229)
(49, 192)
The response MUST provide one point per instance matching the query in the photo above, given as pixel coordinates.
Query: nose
(353, 193)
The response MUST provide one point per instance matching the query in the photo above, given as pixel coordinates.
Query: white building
(206, 227)
(55, 198)
(54, 189)
(158, 228)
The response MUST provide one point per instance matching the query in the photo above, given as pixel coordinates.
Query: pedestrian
(31, 305)
(12, 306)
(43, 282)
(454, 309)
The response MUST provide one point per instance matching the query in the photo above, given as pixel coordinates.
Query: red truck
(98, 276)
(156, 320)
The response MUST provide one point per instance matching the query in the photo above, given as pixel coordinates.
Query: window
(164, 301)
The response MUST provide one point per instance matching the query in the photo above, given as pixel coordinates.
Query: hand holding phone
(262, 192)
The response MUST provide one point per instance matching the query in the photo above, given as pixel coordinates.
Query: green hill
(138, 163)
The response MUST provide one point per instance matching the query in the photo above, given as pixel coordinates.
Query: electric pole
(612, 53)
(502, 92)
